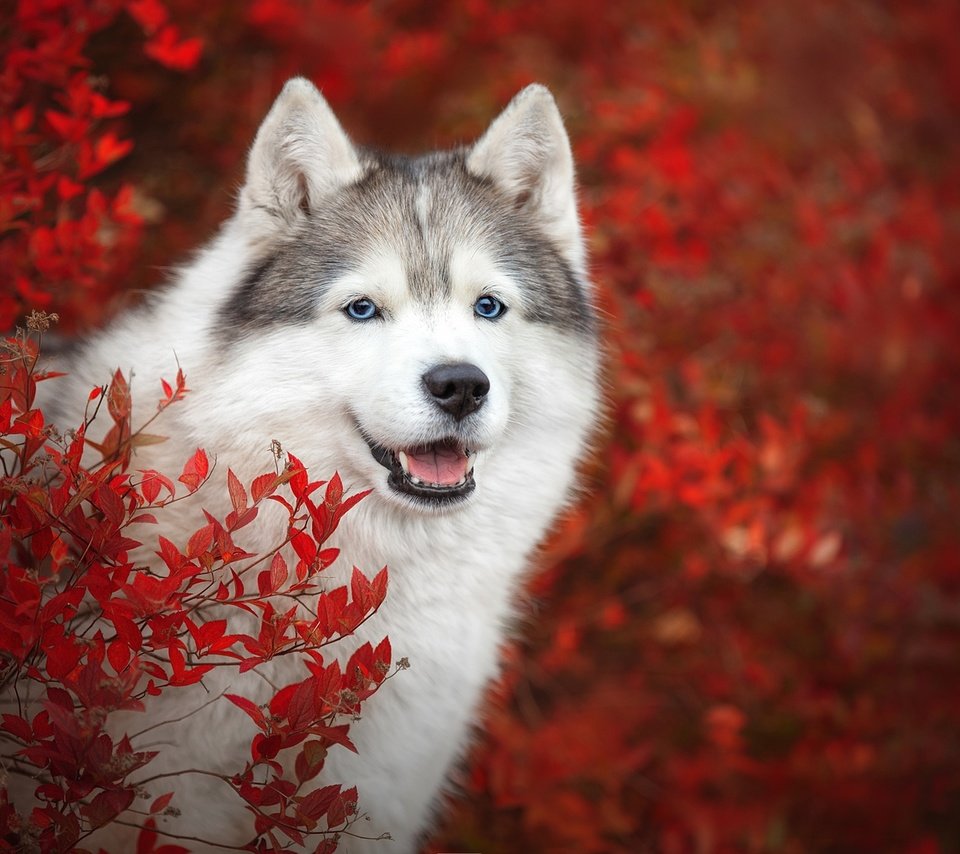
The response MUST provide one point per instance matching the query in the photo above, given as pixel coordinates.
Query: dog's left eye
(362, 309)
(488, 307)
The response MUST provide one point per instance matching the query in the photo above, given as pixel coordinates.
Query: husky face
(416, 286)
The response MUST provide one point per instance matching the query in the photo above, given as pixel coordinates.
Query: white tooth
(403, 462)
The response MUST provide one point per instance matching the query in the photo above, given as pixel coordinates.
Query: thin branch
(170, 835)
(177, 720)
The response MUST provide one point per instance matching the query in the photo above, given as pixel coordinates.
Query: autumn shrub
(750, 637)
(86, 633)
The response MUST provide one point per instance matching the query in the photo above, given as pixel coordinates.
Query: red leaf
(238, 496)
(280, 701)
(235, 522)
(304, 546)
(316, 804)
(107, 806)
(360, 589)
(170, 554)
(379, 587)
(262, 486)
(118, 613)
(151, 484)
(106, 500)
(325, 557)
(69, 127)
(210, 633)
(350, 502)
(149, 14)
(334, 490)
(107, 150)
(330, 610)
(150, 489)
(104, 108)
(118, 654)
(17, 727)
(195, 471)
(383, 655)
(160, 803)
(272, 579)
(251, 708)
(298, 480)
(343, 804)
(278, 571)
(303, 706)
(200, 541)
(181, 675)
(23, 118)
(63, 657)
(68, 600)
(167, 49)
(265, 746)
(310, 760)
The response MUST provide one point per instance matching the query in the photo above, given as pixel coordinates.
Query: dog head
(412, 313)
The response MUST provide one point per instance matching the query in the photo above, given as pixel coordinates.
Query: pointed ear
(300, 155)
(526, 153)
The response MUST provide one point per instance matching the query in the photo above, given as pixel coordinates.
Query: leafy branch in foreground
(88, 628)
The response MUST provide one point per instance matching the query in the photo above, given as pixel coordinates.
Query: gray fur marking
(424, 207)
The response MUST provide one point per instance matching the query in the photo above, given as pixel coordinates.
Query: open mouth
(441, 471)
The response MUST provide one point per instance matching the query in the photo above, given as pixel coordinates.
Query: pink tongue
(438, 465)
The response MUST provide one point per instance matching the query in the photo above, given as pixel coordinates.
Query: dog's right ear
(300, 155)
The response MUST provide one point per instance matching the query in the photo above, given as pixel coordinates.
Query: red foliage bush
(85, 635)
(752, 636)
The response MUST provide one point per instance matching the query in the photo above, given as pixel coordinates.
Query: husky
(422, 325)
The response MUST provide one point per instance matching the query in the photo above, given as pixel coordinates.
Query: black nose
(458, 389)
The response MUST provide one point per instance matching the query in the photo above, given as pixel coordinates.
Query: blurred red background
(748, 637)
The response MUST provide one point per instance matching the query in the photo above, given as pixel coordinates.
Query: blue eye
(362, 309)
(488, 307)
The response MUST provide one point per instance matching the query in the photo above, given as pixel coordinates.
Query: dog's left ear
(526, 153)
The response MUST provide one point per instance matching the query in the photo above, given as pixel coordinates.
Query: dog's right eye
(362, 309)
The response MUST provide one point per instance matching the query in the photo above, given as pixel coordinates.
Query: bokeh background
(748, 636)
